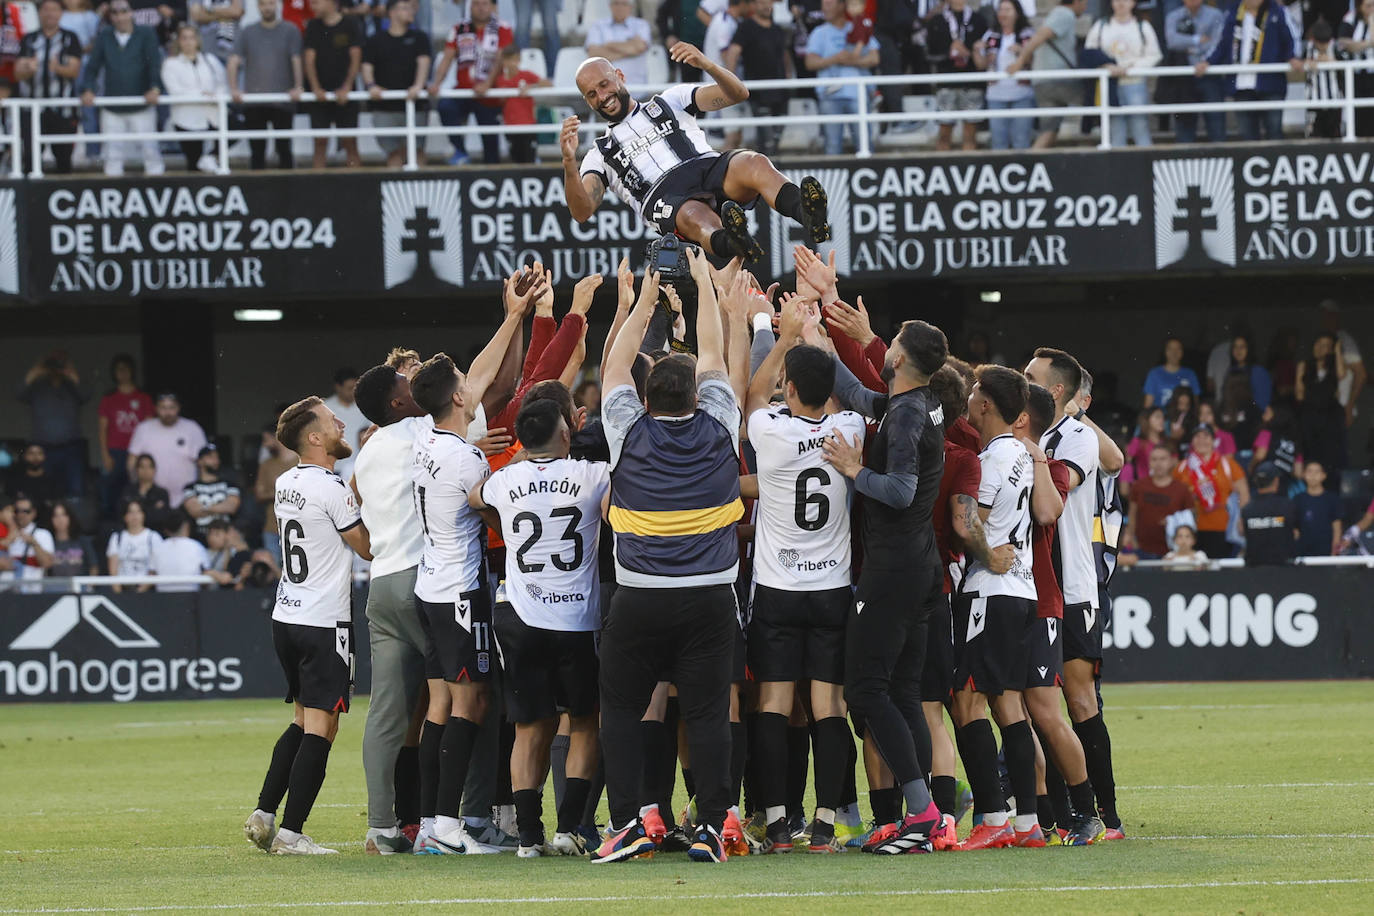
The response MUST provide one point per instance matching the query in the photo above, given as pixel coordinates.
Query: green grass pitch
(1240, 798)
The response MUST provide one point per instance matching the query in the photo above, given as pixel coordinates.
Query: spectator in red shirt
(11, 33)
(1153, 499)
(475, 44)
(297, 12)
(120, 412)
(518, 110)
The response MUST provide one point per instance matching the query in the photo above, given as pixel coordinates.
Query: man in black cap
(1271, 521)
(210, 496)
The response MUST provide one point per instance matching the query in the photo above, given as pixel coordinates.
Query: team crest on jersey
(535, 591)
(652, 109)
(484, 662)
(788, 557)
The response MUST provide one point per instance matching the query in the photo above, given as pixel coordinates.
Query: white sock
(999, 819)
(426, 826)
(444, 824)
(269, 815)
(849, 815)
(773, 813)
(646, 809)
(386, 831)
(826, 816)
(288, 836)
(1026, 822)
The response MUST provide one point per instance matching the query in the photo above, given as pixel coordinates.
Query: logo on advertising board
(1195, 213)
(422, 233)
(9, 243)
(86, 647)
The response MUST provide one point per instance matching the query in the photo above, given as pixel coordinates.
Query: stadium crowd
(356, 49)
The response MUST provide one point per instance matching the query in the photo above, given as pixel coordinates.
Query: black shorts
(332, 114)
(1082, 632)
(453, 652)
(798, 636)
(545, 671)
(702, 178)
(994, 657)
(1045, 653)
(937, 678)
(317, 662)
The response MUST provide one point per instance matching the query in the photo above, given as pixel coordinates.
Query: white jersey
(1005, 491)
(801, 538)
(382, 475)
(314, 506)
(659, 134)
(551, 520)
(1074, 444)
(443, 470)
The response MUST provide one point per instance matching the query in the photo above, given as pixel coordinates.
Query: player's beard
(888, 374)
(340, 449)
(623, 109)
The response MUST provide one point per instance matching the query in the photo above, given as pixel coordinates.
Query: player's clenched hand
(852, 322)
(684, 53)
(845, 457)
(624, 286)
(583, 292)
(495, 441)
(1001, 559)
(567, 140)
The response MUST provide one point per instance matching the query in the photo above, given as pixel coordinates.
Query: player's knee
(1082, 706)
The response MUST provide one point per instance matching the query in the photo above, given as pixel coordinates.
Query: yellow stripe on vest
(675, 522)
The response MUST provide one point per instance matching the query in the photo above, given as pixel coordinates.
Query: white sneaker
(289, 843)
(208, 164)
(530, 852)
(568, 844)
(380, 842)
(260, 829)
(461, 842)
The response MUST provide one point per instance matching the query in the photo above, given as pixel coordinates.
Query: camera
(668, 256)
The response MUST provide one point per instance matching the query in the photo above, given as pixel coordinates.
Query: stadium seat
(799, 135)
(1295, 119)
(570, 25)
(532, 59)
(594, 11)
(565, 69)
(908, 139)
(658, 64)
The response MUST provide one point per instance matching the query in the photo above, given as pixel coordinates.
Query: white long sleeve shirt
(1131, 44)
(203, 76)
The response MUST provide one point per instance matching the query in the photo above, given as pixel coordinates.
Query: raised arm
(615, 367)
(766, 378)
(584, 192)
(852, 394)
(735, 308)
(727, 90)
(485, 366)
(624, 301)
(710, 333)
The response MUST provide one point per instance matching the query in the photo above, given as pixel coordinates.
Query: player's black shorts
(702, 178)
(1082, 632)
(453, 651)
(994, 657)
(317, 662)
(545, 671)
(332, 114)
(798, 636)
(1045, 653)
(937, 678)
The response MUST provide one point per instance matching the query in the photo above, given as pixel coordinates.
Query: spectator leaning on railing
(519, 110)
(1356, 39)
(131, 550)
(191, 72)
(1191, 33)
(829, 55)
(1130, 42)
(1054, 46)
(759, 52)
(269, 54)
(623, 39)
(950, 42)
(48, 65)
(475, 47)
(127, 56)
(1256, 32)
(218, 21)
(333, 57)
(1001, 45)
(397, 58)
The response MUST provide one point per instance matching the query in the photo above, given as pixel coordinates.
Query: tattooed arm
(968, 527)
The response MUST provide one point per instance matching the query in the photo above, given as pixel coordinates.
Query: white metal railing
(418, 123)
(83, 584)
(1365, 562)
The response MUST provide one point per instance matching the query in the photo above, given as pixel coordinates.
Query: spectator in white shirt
(180, 555)
(1130, 42)
(173, 441)
(191, 72)
(624, 40)
(346, 409)
(131, 552)
(31, 551)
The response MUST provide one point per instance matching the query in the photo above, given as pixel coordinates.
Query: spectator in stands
(31, 550)
(588, 395)
(132, 548)
(144, 490)
(1180, 415)
(1161, 381)
(9, 532)
(280, 460)
(1185, 554)
(1277, 441)
(1128, 41)
(1154, 498)
(396, 58)
(1054, 46)
(48, 66)
(1282, 361)
(130, 62)
(298, 13)
(219, 25)
(190, 72)
(520, 109)
(1191, 33)
(1212, 477)
(678, 21)
(1324, 384)
(1319, 513)
(1001, 45)
(179, 554)
(1270, 521)
(54, 393)
(759, 52)
(270, 57)
(119, 413)
(227, 564)
(1256, 32)
(346, 409)
(160, 16)
(475, 45)
(1356, 38)
(1325, 85)
(73, 552)
(80, 19)
(623, 39)
(953, 33)
(210, 496)
(1330, 316)
(31, 477)
(1150, 432)
(830, 56)
(548, 18)
(1207, 416)
(173, 441)
(1238, 412)
(333, 56)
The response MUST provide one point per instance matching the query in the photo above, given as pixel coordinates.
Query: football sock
(1018, 745)
(774, 813)
(720, 244)
(1097, 749)
(455, 753)
(1081, 797)
(978, 750)
(558, 764)
(1054, 786)
(886, 805)
(849, 815)
(689, 783)
(917, 795)
(1044, 809)
(598, 786)
(832, 734)
(826, 816)
(657, 760)
(278, 777)
(739, 756)
(575, 795)
(506, 744)
(307, 775)
(431, 738)
(798, 765)
(753, 776)
(408, 785)
(849, 788)
(529, 816)
(944, 790)
(789, 201)
(770, 746)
